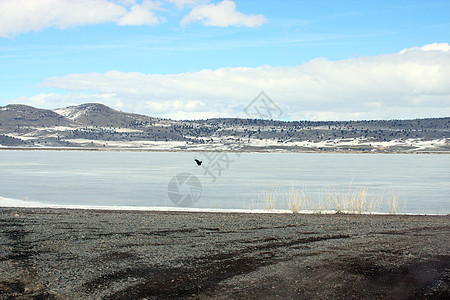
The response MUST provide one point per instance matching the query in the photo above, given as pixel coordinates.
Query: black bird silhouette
(199, 162)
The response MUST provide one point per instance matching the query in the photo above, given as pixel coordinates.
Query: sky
(198, 59)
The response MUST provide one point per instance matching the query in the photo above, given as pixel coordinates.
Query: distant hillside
(24, 115)
(95, 125)
(95, 114)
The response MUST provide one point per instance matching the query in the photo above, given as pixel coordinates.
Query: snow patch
(8, 202)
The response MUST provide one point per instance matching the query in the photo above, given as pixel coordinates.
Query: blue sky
(197, 59)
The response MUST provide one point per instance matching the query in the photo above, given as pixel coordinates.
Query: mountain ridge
(95, 125)
(101, 115)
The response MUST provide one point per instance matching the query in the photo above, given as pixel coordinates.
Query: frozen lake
(225, 180)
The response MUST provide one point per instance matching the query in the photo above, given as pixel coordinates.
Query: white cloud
(176, 105)
(409, 84)
(222, 14)
(182, 115)
(429, 47)
(19, 16)
(57, 101)
(141, 14)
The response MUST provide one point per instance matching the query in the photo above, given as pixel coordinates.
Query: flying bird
(199, 162)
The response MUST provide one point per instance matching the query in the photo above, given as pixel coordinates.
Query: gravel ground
(86, 254)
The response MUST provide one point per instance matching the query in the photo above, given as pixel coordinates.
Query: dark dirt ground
(86, 254)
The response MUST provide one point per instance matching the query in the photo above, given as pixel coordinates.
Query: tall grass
(354, 200)
(295, 199)
(268, 199)
(351, 200)
(393, 203)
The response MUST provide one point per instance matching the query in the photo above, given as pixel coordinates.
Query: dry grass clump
(295, 199)
(352, 200)
(268, 199)
(393, 203)
(355, 200)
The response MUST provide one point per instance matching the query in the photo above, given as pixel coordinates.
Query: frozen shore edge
(16, 203)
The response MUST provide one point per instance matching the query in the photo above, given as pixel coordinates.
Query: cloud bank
(413, 83)
(22, 16)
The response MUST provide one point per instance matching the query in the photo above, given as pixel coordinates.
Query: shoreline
(163, 209)
(207, 211)
(262, 150)
(89, 254)
(16, 203)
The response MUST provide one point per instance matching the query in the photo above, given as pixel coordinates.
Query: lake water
(228, 180)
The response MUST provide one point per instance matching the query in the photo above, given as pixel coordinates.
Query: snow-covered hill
(95, 125)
